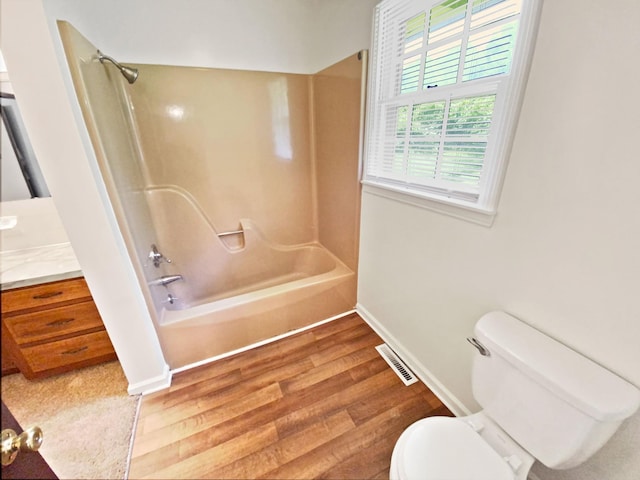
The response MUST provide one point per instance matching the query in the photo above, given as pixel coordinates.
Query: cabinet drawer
(85, 349)
(43, 295)
(55, 322)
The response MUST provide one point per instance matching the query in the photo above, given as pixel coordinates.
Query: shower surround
(248, 181)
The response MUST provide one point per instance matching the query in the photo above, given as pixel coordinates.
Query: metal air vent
(398, 366)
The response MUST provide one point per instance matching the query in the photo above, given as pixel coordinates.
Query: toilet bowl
(541, 401)
(449, 448)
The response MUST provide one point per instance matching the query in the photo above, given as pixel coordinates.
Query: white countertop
(38, 265)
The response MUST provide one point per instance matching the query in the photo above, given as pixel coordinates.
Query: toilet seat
(446, 448)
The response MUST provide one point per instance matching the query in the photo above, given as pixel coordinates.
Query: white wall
(563, 252)
(341, 27)
(295, 36)
(221, 33)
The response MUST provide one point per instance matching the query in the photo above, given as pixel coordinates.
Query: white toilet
(541, 401)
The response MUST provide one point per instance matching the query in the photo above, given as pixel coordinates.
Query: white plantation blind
(440, 73)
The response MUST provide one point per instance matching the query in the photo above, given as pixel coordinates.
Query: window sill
(452, 208)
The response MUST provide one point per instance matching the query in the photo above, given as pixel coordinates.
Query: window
(446, 84)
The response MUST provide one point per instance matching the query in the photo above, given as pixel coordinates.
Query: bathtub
(255, 291)
(181, 176)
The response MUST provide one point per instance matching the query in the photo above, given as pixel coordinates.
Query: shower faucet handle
(156, 257)
(170, 299)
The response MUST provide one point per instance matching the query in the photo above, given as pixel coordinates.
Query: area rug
(86, 416)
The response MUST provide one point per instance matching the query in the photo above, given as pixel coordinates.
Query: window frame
(506, 111)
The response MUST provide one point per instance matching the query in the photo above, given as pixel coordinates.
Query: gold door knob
(12, 443)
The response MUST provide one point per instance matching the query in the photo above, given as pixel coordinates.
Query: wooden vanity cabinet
(8, 365)
(53, 328)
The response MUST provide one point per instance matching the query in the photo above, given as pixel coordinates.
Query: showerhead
(131, 74)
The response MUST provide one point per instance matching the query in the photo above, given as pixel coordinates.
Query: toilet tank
(557, 404)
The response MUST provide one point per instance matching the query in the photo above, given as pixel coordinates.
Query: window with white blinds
(446, 84)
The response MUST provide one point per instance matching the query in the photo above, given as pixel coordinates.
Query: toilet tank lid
(580, 381)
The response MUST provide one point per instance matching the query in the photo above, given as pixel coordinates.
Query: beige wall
(336, 122)
(563, 252)
(278, 149)
(238, 141)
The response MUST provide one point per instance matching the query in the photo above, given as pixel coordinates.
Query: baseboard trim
(422, 372)
(152, 384)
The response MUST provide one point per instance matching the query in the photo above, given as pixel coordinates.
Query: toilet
(540, 401)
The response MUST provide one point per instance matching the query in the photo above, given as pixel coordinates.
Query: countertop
(33, 266)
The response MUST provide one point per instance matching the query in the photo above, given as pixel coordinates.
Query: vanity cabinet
(8, 365)
(53, 328)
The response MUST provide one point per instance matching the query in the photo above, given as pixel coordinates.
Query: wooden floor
(320, 404)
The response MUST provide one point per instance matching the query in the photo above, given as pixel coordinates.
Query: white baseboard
(421, 371)
(152, 384)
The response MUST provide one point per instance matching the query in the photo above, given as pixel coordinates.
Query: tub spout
(166, 280)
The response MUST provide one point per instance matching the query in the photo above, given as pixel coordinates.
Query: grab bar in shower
(233, 232)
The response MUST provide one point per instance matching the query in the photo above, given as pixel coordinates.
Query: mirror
(20, 174)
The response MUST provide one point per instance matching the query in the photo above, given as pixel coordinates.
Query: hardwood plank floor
(319, 404)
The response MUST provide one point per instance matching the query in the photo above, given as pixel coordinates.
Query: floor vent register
(398, 366)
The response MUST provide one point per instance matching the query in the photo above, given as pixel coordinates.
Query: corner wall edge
(153, 384)
(422, 372)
